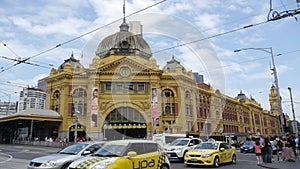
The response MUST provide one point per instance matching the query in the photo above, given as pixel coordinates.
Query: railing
(42, 143)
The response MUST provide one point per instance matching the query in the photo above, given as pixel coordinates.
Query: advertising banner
(154, 107)
(94, 108)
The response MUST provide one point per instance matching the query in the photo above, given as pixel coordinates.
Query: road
(17, 157)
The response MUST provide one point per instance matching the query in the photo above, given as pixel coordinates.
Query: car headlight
(104, 163)
(179, 149)
(49, 164)
(186, 155)
(206, 155)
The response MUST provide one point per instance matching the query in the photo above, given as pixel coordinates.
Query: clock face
(124, 71)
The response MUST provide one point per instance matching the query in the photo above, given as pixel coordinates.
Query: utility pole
(295, 125)
(76, 117)
(270, 51)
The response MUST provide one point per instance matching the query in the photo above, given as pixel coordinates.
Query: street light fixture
(270, 51)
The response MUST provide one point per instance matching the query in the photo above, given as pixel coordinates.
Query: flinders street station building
(123, 93)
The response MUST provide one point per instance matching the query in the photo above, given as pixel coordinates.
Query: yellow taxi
(211, 153)
(125, 154)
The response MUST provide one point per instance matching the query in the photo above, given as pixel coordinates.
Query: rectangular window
(119, 87)
(108, 86)
(141, 87)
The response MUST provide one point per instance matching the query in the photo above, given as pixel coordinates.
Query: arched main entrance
(124, 123)
(81, 133)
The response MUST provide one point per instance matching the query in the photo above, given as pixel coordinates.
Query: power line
(183, 44)
(210, 37)
(4, 44)
(78, 37)
(27, 62)
(253, 60)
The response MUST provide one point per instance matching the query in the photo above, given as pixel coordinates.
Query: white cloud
(210, 22)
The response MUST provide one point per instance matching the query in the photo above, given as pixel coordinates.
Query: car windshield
(248, 143)
(111, 150)
(179, 142)
(213, 146)
(73, 149)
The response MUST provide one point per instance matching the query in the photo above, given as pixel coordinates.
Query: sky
(201, 34)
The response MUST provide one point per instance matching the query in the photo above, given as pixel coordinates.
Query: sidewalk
(282, 164)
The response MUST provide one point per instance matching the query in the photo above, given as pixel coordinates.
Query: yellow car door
(152, 155)
(146, 156)
(223, 153)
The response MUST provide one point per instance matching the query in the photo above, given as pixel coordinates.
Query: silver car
(63, 158)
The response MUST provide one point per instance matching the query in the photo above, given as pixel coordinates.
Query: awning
(33, 114)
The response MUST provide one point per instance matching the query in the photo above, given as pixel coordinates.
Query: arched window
(55, 101)
(168, 102)
(125, 115)
(80, 100)
(188, 103)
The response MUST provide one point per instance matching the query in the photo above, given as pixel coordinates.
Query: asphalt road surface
(18, 157)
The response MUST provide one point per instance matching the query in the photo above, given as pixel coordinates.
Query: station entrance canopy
(28, 125)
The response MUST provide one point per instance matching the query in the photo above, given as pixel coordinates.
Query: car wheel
(216, 162)
(65, 166)
(233, 160)
(165, 166)
(182, 159)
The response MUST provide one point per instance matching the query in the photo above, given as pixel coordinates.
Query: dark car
(248, 147)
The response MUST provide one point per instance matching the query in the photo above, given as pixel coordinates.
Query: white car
(177, 148)
(63, 158)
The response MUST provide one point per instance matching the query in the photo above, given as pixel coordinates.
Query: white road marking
(8, 156)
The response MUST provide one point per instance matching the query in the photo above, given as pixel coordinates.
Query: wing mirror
(86, 152)
(131, 154)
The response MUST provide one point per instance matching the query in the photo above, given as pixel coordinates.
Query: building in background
(42, 84)
(32, 98)
(8, 108)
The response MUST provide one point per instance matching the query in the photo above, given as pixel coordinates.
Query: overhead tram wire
(78, 37)
(220, 34)
(210, 37)
(253, 60)
(240, 19)
(29, 63)
(4, 44)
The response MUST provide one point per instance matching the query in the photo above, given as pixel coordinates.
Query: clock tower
(273, 99)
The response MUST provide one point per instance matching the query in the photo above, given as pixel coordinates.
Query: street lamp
(295, 125)
(206, 130)
(76, 112)
(270, 51)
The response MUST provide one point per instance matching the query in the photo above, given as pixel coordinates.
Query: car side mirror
(191, 144)
(131, 154)
(222, 149)
(86, 152)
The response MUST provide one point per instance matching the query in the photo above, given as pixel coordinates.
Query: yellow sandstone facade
(123, 93)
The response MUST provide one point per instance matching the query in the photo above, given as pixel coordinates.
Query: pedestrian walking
(263, 151)
(268, 150)
(291, 144)
(297, 141)
(286, 152)
(279, 146)
(258, 152)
